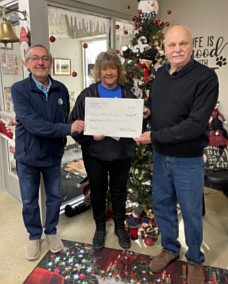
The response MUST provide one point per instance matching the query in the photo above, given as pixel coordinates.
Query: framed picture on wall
(61, 66)
(9, 63)
(8, 46)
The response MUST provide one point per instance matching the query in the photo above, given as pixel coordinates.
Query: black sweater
(181, 105)
(107, 149)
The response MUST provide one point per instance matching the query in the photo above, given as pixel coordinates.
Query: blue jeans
(29, 181)
(179, 180)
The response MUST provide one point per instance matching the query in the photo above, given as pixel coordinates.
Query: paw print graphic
(220, 61)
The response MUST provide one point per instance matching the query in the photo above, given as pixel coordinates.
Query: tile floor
(14, 268)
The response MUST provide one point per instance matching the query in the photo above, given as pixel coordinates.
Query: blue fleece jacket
(41, 128)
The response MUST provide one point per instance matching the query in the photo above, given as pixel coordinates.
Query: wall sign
(210, 48)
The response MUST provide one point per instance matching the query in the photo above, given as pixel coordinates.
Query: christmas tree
(142, 59)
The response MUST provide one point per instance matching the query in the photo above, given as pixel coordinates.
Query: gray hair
(28, 53)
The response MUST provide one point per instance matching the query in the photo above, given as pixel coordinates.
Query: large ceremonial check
(113, 117)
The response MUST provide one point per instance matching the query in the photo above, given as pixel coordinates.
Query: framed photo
(9, 63)
(8, 46)
(61, 66)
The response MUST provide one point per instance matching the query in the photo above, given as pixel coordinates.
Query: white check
(113, 117)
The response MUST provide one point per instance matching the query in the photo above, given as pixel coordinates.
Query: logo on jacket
(60, 101)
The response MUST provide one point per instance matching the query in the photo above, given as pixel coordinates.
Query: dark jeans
(29, 180)
(104, 175)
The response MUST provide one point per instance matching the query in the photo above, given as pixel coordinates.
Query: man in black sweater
(183, 96)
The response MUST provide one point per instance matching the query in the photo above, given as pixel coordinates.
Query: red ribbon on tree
(146, 71)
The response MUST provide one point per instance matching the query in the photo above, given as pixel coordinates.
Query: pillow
(216, 158)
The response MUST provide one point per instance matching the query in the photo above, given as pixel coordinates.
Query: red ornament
(134, 19)
(117, 27)
(128, 7)
(82, 276)
(137, 25)
(148, 241)
(156, 21)
(52, 39)
(125, 32)
(162, 24)
(167, 24)
(117, 51)
(74, 74)
(169, 12)
(85, 45)
(131, 75)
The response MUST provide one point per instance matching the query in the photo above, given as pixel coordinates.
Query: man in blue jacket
(42, 107)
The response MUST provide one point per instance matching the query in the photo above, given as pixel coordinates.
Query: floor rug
(78, 263)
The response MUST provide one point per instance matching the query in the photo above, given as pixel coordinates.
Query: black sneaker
(124, 239)
(98, 240)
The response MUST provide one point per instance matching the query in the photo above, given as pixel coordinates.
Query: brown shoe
(195, 273)
(161, 260)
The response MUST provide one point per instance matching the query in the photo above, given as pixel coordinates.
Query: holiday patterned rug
(79, 263)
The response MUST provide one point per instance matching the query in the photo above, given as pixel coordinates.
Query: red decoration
(74, 74)
(148, 241)
(82, 276)
(134, 19)
(146, 71)
(52, 39)
(131, 75)
(117, 27)
(125, 32)
(169, 12)
(162, 24)
(137, 25)
(85, 45)
(117, 51)
(5, 130)
(156, 21)
(167, 24)
(217, 132)
(40, 275)
(128, 7)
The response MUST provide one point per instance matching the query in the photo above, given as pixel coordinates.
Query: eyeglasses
(36, 59)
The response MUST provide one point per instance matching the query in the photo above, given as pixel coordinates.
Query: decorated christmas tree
(142, 59)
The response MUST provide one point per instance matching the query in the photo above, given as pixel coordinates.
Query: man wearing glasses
(42, 106)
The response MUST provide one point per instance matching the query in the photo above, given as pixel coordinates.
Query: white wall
(118, 8)
(208, 22)
(69, 48)
(118, 5)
